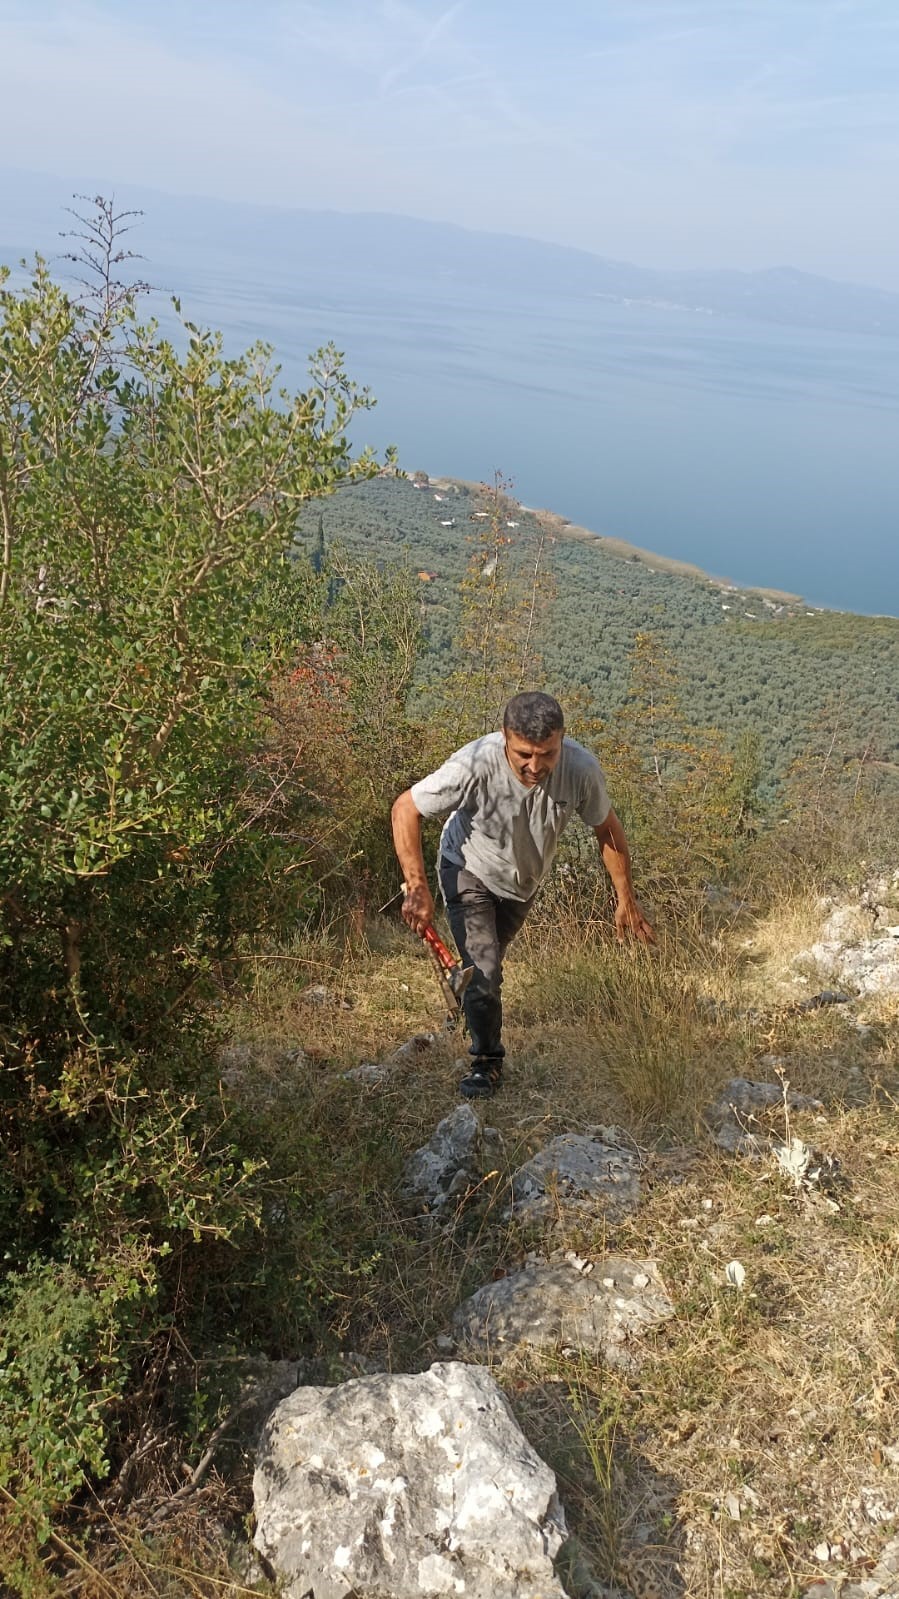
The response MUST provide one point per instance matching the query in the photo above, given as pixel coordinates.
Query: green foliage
(140, 497)
(839, 807)
(748, 662)
(148, 501)
(686, 800)
(61, 1368)
(337, 721)
(503, 597)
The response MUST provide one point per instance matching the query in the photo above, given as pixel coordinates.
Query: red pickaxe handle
(435, 942)
(453, 978)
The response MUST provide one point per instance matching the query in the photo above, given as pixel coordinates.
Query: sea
(765, 454)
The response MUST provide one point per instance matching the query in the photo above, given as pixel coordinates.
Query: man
(510, 795)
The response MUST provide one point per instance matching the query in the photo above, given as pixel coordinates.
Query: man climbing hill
(510, 794)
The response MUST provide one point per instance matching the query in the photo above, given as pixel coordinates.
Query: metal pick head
(459, 979)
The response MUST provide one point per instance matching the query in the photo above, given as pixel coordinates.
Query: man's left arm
(616, 858)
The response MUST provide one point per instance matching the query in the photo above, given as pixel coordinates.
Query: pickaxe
(453, 978)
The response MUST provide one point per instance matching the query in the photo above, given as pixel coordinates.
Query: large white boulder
(406, 1487)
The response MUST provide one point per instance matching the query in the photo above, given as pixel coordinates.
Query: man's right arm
(418, 905)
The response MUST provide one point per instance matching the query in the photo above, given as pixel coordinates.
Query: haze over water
(588, 150)
(762, 453)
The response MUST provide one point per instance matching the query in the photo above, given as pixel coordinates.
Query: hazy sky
(669, 132)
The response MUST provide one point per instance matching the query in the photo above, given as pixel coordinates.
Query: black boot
(485, 1077)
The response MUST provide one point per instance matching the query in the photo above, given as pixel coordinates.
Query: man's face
(532, 762)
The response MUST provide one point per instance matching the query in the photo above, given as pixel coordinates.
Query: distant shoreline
(559, 525)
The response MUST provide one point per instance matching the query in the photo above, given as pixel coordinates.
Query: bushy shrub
(148, 498)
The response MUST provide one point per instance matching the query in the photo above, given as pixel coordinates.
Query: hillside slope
(749, 660)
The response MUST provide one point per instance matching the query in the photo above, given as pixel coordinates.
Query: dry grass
(770, 943)
(789, 1387)
(773, 1404)
(763, 1420)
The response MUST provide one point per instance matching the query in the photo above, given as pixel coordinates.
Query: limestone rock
(881, 1583)
(734, 1120)
(871, 967)
(326, 998)
(368, 1071)
(439, 1173)
(411, 1487)
(576, 1172)
(417, 1045)
(846, 922)
(550, 1304)
(859, 942)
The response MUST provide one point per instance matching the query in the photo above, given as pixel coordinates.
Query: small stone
(449, 1164)
(829, 996)
(444, 1344)
(737, 1110)
(821, 1552)
(640, 1279)
(576, 1172)
(764, 1221)
(416, 1045)
(319, 994)
(369, 1071)
(732, 1506)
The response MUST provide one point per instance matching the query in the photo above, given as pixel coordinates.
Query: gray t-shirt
(500, 829)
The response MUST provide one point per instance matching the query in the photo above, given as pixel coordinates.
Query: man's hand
(418, 907)
(629, 919)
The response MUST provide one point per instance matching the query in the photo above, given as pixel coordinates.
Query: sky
(671, 133)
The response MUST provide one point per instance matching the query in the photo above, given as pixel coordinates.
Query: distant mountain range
(178, 233)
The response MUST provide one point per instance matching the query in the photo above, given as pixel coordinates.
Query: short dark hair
(533, 716)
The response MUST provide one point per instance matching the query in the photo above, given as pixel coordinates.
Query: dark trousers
(483, 926)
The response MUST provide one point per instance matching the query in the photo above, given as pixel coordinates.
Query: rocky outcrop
(736, 1119)
(576, 1172)
(859, 942)
(601, 1306)
(411, 1487)
(436, 1176)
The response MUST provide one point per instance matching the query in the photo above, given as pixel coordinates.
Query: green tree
(147, 488)
(686, 798)
(505, 593)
